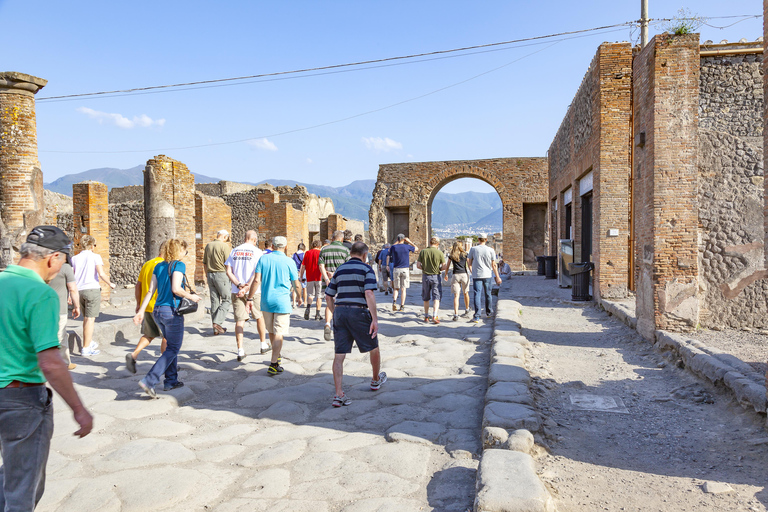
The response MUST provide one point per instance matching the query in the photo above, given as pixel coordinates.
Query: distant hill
(469, 209)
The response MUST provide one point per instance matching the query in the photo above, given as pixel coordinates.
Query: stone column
(90, 216)
(21, 180)
(159, 214)
(765, 139)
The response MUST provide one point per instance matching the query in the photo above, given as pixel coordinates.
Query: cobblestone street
(235, 439)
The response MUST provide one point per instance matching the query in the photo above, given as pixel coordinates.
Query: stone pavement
(235, 439)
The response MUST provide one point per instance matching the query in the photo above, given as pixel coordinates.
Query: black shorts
(352, 325)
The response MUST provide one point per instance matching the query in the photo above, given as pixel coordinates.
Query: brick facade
(22, 206)
(90, 214)
(595, 137)
(282, 219)
(211, 216)
(403, 197)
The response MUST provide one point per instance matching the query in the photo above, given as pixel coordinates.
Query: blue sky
(81, 46)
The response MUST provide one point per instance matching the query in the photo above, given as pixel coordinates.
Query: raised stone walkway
(235, 439)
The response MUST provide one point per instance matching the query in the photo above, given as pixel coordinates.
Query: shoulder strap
(170, 275)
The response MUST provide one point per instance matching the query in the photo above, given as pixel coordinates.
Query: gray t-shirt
(482, 258)
(59, 284)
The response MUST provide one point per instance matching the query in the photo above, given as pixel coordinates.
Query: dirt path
(674, 434)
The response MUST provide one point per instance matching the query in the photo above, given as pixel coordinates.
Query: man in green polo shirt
(29, 355)
(332, 257)
(432, 262)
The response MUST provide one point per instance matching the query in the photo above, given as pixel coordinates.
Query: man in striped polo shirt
(350, 295)
(331, 257)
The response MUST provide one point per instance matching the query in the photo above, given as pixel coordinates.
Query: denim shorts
(352, 325)
(431, 287)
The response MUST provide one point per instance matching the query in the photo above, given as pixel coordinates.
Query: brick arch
(434, 185)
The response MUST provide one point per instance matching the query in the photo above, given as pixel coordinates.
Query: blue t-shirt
(399, 255)
(382, 260)
(165, 296)
(278, 272)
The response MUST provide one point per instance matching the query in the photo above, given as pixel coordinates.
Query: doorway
(398, 219)
(586, 227)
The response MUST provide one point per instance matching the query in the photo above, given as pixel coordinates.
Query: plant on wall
(685, 22)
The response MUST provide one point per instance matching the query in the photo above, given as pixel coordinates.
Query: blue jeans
(480, 286)
(172, 327)
(26, 427)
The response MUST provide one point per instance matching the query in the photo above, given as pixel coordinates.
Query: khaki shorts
(90, 303)
(149, 327)
(459, 283)
(402, 278)
(314, 289)
(241, 313)
(277, 323)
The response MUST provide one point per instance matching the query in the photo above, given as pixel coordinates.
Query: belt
(19, 384)
(351, 306)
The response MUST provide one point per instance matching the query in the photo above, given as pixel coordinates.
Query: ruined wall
(595, 137)
(732, 290)
(90, 212)
(356, 226)
(125, 194)
(245, 208)
(212, 215)
(58, 211)
(223, 188)
(282, 219)
(408, 190)
(126, 241)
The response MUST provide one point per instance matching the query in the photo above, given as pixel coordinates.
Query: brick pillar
(212, 215)
(21, 180)
(268, 223)
(90, 216)
(666, 102)
(335, 223)
(169, 197)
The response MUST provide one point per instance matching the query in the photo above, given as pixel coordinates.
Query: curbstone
(507, 482)
(512, 392)
(494, 437)
(505, 348)
(520, 441)
(508, 373)
(510, 416)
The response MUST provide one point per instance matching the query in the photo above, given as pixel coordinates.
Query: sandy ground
(673, 434)
(750, 347)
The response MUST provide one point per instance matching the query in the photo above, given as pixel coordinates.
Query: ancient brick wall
(212, 215)
(404, 193)
(22, 204)
(595, 137)
(333, 223)
(90, 211)
(666, 102)
(126, 241)
(245, 208)
(733, 291)
(125, 194)
(223, 188)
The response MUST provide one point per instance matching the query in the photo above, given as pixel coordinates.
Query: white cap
(222, 232)
(482, 235)
(280, 241)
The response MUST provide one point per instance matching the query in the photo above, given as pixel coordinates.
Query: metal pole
(643, 23)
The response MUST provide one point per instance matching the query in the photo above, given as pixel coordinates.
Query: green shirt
(29, 323)
(332, 256)
(431, 260)
(214, 256)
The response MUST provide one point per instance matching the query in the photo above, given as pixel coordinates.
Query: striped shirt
(350, 282)
(332, 256)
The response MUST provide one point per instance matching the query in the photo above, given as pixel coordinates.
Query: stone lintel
(20, 83)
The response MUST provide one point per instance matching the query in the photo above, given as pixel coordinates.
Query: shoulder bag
(185, 306)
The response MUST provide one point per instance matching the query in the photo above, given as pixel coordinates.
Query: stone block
(507, 482)
(520, 440)
(508, 373)
(505, 348)
(510, 416)
(512, 392)
(494, 437)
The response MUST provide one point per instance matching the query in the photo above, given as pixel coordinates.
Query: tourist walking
(66, 288)
(347, 239)
(310, 273)
(350, 296)
(29, 355)
(400, 262)
(298, 257)
(275, 275)
(214, 260)
(149, 328)
(432, 263)
(89, 268)
(381, 259)
(169, 281)
(460, 280)
(240, 266)
(482, 260)
(331, 258)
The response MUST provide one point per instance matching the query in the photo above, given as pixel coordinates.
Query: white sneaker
(240, 354)
(90, 352)
(265, 347)
(94, 345)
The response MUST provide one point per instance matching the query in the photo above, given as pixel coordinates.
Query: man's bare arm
(55, 370)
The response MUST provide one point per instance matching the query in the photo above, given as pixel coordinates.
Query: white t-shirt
(242, 260)
(86, 275)
(482, 258)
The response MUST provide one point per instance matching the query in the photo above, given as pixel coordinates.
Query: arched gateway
(402, 199)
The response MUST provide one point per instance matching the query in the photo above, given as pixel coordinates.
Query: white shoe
(94, 345)
(240, 354)
(265, 347)
(90, 352)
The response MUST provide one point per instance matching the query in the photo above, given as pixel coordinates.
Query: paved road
(247, 442)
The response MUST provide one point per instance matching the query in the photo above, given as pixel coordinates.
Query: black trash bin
(580, 272)
(550, 267)
(542, 266)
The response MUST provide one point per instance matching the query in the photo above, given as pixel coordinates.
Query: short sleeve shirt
(460, 267)
(145, 279)
(29, 324)
(312, 265)
(86, 275)
(243, 260)
(165, 296)
(277, 271)
(482, 258)
(350, 282)
(400, 255)
(333, 255)
(59, 284)
(431, 259)
(215, 256)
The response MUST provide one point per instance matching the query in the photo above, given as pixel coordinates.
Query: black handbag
(186, 306)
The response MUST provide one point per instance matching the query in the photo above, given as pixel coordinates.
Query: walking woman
(460, 280)
(167, 279)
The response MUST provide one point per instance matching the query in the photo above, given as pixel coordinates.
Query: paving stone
(255, 383)
(268, 484)
(290, 412)
(454, 402)
(351, 412)
(56, 490)
(411, 463)
(510, 416)
(317, 466)
(508, 373)
(167, 489)
(161, 428)
(461, 439)
(133, 409)
(415, 432)
(337, 442)
(74, 447)
(446, 386)
(271, 435)
(61, 466)
(385, 417)
(513, 392)
(717, 488)
(314, 392)
(180, 396)
(273, 455)
(430, 372)
(214, 436)
(362, 486)
(406, 396)
(220, 453)
(384, 505)
(507, 482)
(145, 452)
(87, 497)
(458, 419)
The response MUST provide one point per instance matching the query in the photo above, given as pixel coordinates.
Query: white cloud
(142, 121)
(265, 144)
(379, 144)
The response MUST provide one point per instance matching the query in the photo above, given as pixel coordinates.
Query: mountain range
(466, 209)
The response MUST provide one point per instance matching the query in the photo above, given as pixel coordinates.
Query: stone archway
(404, 193)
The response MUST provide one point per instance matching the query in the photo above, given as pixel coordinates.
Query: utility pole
(643, 23)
